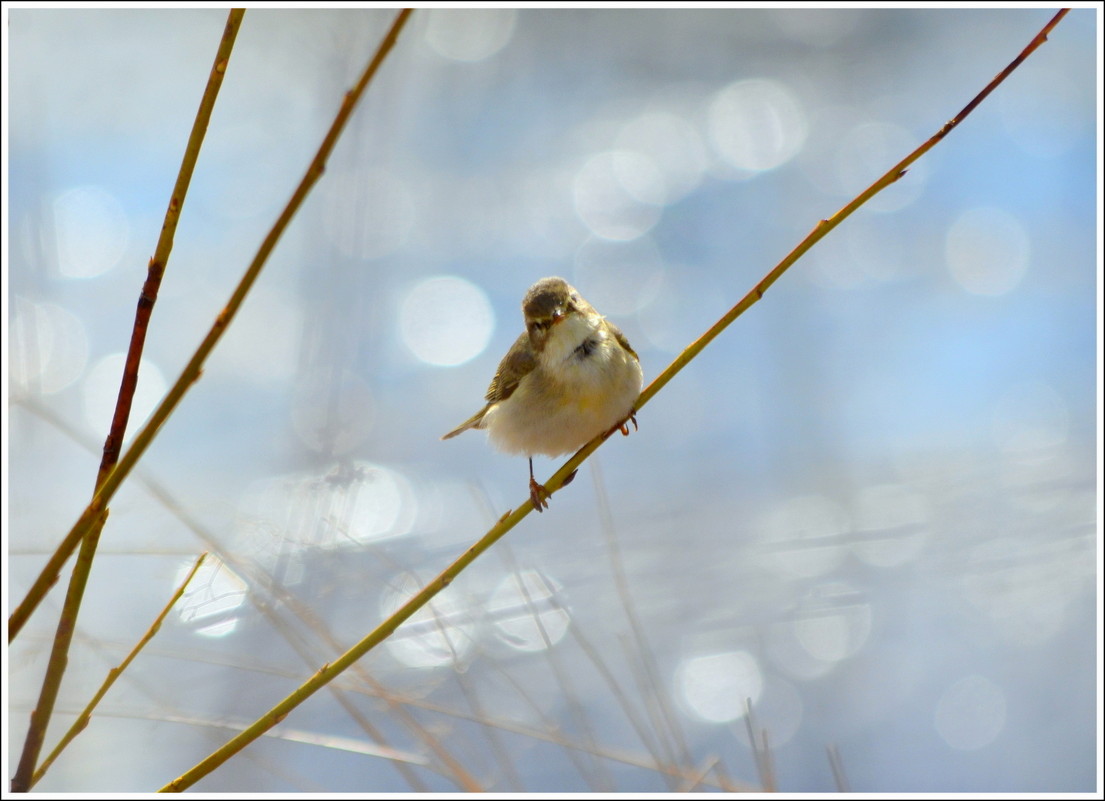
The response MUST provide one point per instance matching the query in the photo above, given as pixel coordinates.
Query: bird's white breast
(571, 396)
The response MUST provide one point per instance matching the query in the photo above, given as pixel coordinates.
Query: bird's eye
(575, 298)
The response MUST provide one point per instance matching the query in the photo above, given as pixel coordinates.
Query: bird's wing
(618, 335)
(518, 362)
(516, 365)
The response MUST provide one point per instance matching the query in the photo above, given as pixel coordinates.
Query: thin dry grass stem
(491, 733)
(214, 729)
(194, 368)
(290, 734)
(86, 714)
(90, 538)
(598, 777)
(308, 654)
(550, 733)
(761, 750)
(725, 781)
(700, 773)
(462, 775)
(769, 762)
(619, 694)
(837, 765)
(643, 647)
(450, 767)
(482, 499)
(453, 768)
(282, 771)
(648, 692)
(470, 696)
(753, 742)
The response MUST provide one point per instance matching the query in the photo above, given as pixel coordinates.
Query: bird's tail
(475, 421)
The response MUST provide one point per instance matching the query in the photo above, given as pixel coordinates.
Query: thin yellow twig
(86, 715)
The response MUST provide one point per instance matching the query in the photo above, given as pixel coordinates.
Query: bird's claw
(625, 428)
(538, 496)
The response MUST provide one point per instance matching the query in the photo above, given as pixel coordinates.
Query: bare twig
(759, 754)
(620, 695)
(700, 773)
(839, 778)
(644, 650)
(598, 778)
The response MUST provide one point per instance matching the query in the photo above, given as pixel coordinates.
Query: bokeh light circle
(92, 231)
(446, 321)
(757, 124)
(971, 713)
(715, 687)
(987, 251)
(469, 34)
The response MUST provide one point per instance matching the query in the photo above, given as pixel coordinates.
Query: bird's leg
(538, 495)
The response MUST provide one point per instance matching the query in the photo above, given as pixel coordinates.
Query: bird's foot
(538, 495)
(623, 426)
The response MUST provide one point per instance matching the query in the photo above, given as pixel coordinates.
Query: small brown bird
(570, 376)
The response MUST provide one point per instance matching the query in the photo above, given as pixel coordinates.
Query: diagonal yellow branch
(508, 521)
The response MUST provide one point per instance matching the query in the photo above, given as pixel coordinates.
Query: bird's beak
(558, 315)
